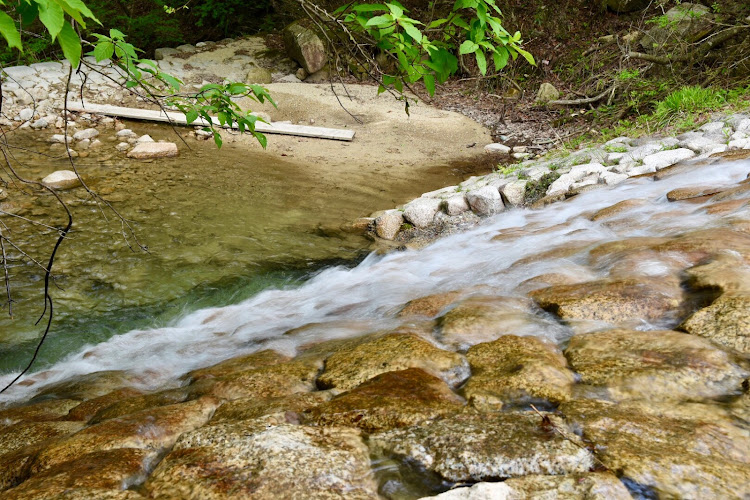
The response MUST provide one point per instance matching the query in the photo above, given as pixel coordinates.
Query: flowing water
(495, 258)
(219, 225)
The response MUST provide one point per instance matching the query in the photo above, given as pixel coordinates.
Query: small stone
(547, 92)
(389, 224)
(40, 124)
(123, 146)
(88, 133)
(154, 150)
(126, 133)
(164, 52)
(421, 211)
(515, 192)
(456, 205)
(144, 138)
(498, 148)
(96, 143)
(62, 179)
(485, 201)
(26, 114)
(301, 74)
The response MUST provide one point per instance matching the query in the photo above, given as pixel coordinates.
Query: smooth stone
(515, 192)
(62, 179)
(51, 409)
(497, 148)
(40, 124)
(251, 408)
(485, 201)
(389, 224)
(430, 305)
(19, 73)
(725, 272)
(421, 212)
(668, 158)
(144, 138)
(26, 114)
(88, 133)
(126, 133)
(456, 205)
(144, 150)
(687, 193)
(122, 146)
(90, 407)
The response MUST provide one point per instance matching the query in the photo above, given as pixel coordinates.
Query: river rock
(60, 139)
(304, 46)
(474, 447)
(483, 319)
(700, 144)
(126, 133)
(547, 92)
(258, 75)
(515, 369)
(256, 360)
(389, 224)
(265, 461)
(43, 411)
(122, 146)
(144, 150)
(152, 429)
(515, 192)
(40, 124)
(136, 403)
(62, 179)
(26, 114)
(144, 138)
(100, 475)
(687, 193)
(252, 408)
(349, 367)
(389, 400)
(621, 301)
(497, 148)
(485, 201)
(726, 272)
(667, 450)
(456, 205)
(654, 365)
(89, 408)
(664, 159)
(88, 386)
(421, 211)
(430, 305)
(88, 133)
(726, 321)
(617, 209)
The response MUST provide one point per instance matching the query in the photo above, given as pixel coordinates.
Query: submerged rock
(726, 321)
(654, 365)
(474, 447)
(43, 411)
(392, 399)
(259, 460)
(252, 408)
(669, 451)
(144, 150)
(88, 386)
(516, 369)
(430, 305)
(350, 366)
(260, 359)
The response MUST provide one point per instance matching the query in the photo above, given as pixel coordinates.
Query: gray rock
(84, 144)
(59, 139)
(547, 92)
(667, 158)
(185, 48)
(40, 124)
(62, 179)
(474, 447)
(686, 23)
(144, 138)
(514, 192)
(496, 147)
(145, 150)
(485, 201)
(123, 146)
(88, 133)
(738, 144)
(19, 73)
(26, 114)
(421, 211)
(612, 178)
(650, 148)
(125, 133)
(619, 140)
(442, 193)
(743, 126)
(305, 47)
(388, 224)
(700, 144)
(258, 75)
(164, 52)
(456, 205)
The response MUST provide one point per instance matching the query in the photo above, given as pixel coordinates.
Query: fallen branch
(586, 100)
(698, 53)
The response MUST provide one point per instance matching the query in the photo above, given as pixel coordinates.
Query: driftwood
(583, 101)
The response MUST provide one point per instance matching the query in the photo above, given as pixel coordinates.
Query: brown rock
(474, 447)
(725, 207)
(138, 403)
(392, 399)
(516, 369)
(89, 408)
(725, 273)
(654, 365)
(91, 385)
(726, 321)
(738, 154)
(430, 305)
(551, 279)
(25, 434)
(51, 409)
(687, 193)
(612, 301)
(153, 429)
(349, 367)
(305, 46)
(259, 460)
(252, 361)
(144, 150)
(253, 408)
(271, 381)
(677, 451)
(100, 475)
(617, 209)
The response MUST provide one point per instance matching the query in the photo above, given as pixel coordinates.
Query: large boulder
(726, 321)
(681, 26)
(305, 46)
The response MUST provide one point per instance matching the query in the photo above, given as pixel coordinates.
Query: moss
(536, 190)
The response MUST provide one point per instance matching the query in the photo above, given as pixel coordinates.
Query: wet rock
(349, 367)
(515, 369)
(727, 272)
(654, 365)
(612, 301)
(145, 150)
(62, 179)
(547, 92)
(126, 133)
(485, 201)
(617, 209)
(252, 408)
(138, 403)
(669, 451)
(474, 447)
(485, 319)
(551, 279)
(252, 361)
(153, 429)
(429, 306)
(259, 460)
(389, 400)
(687, 193)
(389, 224)
(122, 146)
(726, 321)
(89, 408)
(100, 475)
(697, 246)
(24, 434)
(593, 485)
(88, 133)
(272, 381)
(88, 386)
(305, 47)
(43, 411)
(421, 211)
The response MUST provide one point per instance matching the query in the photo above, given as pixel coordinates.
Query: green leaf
(130, 84)
(413, 32)
(217, 139)
(103, 50)
(9, 31)
(52, 17)
(116, 34)
(261, 139)
(527, 56)
(437, 23)
(383, 20)
(369, 7)
(396, 10)
(429, 83)
(78, 6)
(468, 47)
(459, 21)
(191, 116)
(171, 80)
(70, 44)
(481, 62)
(500, 58)
(29, 12)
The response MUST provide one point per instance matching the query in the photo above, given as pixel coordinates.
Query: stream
(290, 306)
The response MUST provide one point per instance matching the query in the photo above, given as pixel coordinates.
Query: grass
(687, 101)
